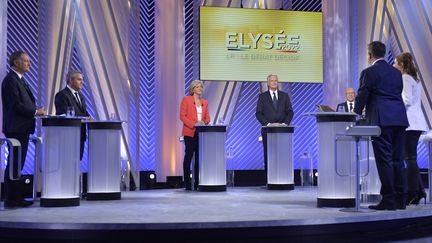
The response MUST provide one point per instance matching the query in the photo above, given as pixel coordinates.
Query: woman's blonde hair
(194, 84)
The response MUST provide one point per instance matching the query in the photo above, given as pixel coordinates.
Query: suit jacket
(380, 92)
(189, 117)
(65, 98)
(266, 113)
(344, 105)
(18, 105)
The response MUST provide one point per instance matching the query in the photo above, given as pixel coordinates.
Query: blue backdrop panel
(147, 85)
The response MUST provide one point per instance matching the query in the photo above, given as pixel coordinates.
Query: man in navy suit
(71, 96)
(19, 110)
(380, 92)
(273, 109)
(348, 105)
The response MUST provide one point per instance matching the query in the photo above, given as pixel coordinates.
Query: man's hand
(40, 112)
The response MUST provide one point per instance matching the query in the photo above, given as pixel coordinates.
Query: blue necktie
(274, 100)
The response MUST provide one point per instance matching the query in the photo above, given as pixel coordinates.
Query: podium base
(206, 188)
(96, 196)
(336, 202)
(280, 186)
(59, 202)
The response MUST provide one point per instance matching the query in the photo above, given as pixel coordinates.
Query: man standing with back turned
(19, 110)
(380, 92)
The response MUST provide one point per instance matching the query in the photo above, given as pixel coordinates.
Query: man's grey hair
(71, 74)
(271, 75)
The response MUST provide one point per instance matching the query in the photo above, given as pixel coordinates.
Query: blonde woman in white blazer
(411, 96)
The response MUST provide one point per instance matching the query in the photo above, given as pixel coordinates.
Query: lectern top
(62, 117)
(278, 129)
(363, 131)
(61, 121)
(114, 125)
(210, 128)
(333, 116)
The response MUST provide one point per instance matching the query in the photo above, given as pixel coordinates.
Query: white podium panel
(60, 166)
(280, 167)
(212, 161)
(104, 164)
(336, 182)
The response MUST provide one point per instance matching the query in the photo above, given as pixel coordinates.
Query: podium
(60, 166)
(104, 139)
(280, 166)
(212, 162)
(427, 139)
(335, 187)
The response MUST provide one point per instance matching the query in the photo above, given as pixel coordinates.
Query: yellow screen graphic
(248, 44)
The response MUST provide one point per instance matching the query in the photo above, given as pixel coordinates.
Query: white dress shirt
(275, 92)
(17, 73)
(348, 105)
(75, 96)
(199, 113)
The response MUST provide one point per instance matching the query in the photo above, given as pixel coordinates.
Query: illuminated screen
(248, 44)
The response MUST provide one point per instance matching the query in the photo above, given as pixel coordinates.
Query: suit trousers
(191, 149)
(14, 189)
(415, 183)
(388, 151)
(83, 139)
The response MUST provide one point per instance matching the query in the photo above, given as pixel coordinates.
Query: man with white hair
(273, 108)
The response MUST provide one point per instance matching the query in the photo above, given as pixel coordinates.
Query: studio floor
(177, 209)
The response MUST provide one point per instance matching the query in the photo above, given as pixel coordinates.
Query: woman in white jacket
(411, 96)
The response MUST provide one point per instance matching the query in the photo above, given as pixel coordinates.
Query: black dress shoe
(19, 203)
(401, 206)
(382, 206)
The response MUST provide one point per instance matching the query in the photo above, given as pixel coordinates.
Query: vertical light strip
(408, 42)
(374, 19)
(3, 63)
(146, 83)
(56, 68)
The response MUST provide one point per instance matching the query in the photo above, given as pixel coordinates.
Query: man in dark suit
(273, 109)
(19, 110)
(71, 97)
(349, 104)
(380, 92)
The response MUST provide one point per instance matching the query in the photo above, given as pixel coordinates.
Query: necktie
(274, 100)
(351, 107)
(27, 87)
(77, 98)
(25, 84)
